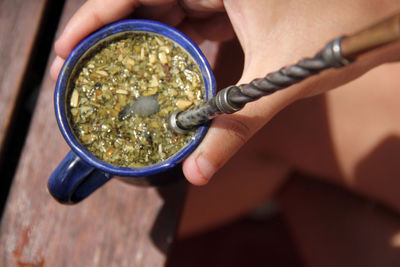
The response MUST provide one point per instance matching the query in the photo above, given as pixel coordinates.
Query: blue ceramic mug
(80, 173)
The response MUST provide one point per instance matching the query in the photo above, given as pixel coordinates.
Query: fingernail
(205, 167)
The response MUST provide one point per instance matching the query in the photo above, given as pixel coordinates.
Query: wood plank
(19, 25)
(119, 225)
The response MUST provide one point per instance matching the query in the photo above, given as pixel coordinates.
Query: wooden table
(119, 225)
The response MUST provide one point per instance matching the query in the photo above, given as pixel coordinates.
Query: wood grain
(19, 25)
(119, 225)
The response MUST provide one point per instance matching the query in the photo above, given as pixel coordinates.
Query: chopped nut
(154, 81)
(142, 53)
(190, 95)
(74, 111)
(160, 148)
(154, 124)
(122, 92)
(152, 58)
(102, 73)
(166, 49)
(122, 99)
(152, 91)
(109, 152)
(128, 62)
(88, 138)
(163, 58)
(136, 48)
(183, 104)
(117, 107)
(160, 43)
(74, 99)
(164, 112)
(129, 148)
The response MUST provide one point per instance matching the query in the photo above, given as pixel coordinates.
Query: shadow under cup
(80, 173)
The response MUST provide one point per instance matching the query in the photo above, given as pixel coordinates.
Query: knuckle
(97, 18)
(236, 128)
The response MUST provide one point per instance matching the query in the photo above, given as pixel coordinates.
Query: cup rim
(116, 28)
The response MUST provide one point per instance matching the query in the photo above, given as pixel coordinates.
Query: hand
(96, 13)
(272, 34)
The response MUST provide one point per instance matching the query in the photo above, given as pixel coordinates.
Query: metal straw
(336, 54)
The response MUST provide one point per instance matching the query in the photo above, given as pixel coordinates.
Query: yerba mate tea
(115, 74)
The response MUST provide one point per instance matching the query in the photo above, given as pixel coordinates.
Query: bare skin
(349, 135)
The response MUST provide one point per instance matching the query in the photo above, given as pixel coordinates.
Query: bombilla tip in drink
(174, 125)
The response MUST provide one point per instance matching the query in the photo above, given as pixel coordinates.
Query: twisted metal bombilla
(336, 54)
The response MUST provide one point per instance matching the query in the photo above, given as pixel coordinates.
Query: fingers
(201, 9)
(91, 16)
(56, 67)
(97, 13)
(216, 27)
(210, 156)
(227, 134)
(169, 13)
(204, 5)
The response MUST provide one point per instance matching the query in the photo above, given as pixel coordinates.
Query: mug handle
(74, 179)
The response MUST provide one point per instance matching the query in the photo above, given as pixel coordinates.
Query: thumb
(228, 133)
